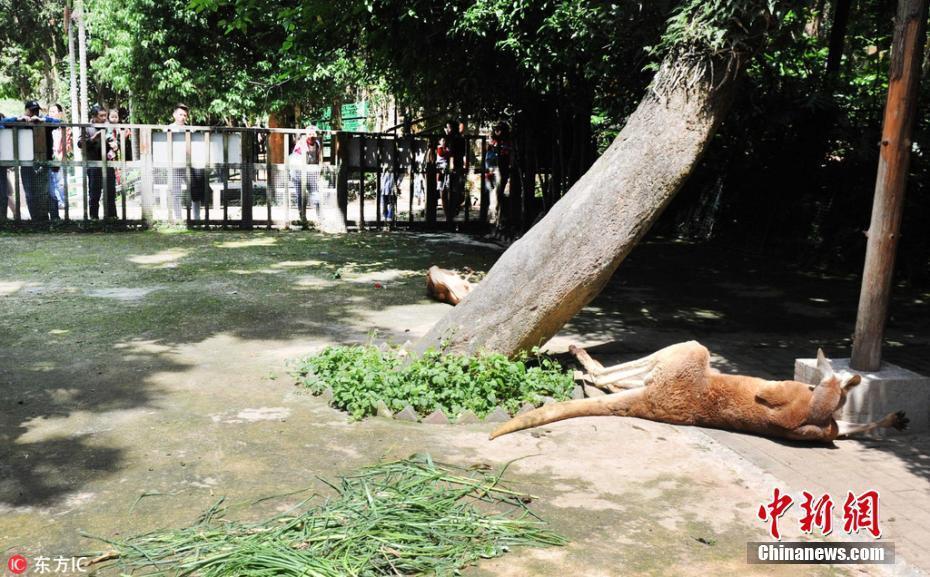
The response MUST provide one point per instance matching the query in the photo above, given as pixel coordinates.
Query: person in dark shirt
(35, 178)
(453, 194)
(90, 142)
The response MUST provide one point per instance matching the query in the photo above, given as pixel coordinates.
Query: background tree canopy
(792, 170)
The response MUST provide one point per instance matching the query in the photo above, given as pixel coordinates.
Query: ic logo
(17, 564)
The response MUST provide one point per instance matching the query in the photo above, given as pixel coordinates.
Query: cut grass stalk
(407, 517)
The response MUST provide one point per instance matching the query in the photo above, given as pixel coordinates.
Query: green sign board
(354, 117)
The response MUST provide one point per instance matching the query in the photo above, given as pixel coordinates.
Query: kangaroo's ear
(851, 381)
(823, 365)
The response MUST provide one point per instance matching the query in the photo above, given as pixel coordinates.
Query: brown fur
(446, 286)
(677, 385)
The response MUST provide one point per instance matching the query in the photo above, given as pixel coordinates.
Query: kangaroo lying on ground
(677, 385)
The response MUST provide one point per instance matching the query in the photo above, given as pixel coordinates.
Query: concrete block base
(890, 389)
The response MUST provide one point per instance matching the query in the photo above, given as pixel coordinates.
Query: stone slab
(437, 417)
(526, 408)
(407, 414)
(890, 389)
(383, 410)
(468, 417)
(498, 415)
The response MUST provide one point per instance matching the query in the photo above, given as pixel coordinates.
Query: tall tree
(564, 261)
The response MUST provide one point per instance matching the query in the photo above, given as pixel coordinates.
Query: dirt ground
(156, 363)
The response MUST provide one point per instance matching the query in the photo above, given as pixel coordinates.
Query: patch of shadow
(44, 473)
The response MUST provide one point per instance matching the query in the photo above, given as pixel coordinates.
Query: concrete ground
(156, 364)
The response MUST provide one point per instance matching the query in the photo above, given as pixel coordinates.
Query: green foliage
(713, 37)
(362, 375)
(32, 48)
(719, 27)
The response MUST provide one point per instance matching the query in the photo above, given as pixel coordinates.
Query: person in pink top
(305, 160)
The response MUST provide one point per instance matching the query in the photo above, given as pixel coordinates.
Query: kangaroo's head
(834, 385)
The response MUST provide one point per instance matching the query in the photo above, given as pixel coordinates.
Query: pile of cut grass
(407, 517)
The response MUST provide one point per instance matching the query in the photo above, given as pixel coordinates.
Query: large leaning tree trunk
(565, 260)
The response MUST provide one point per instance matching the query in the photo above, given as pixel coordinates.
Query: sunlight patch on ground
(240, 271)
(254, 415)
(383, 275)
(261, 241)
(42, 366)
(77, 424)
(62, 396)
(298, 263)
(9, 287)
(166, 258)
(150, 347)
(312, 282)
(457, 238)
(123, 294)
(705, 314)
(412, 320)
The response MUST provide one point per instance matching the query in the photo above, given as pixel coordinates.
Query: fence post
(104, 176)
(207, 173)
(225, 193)
(148, 194)
(40, 184)
(431, 191)
(286, 224)
(189, 175)
(413, 175)
(17, 215)
(246, 171)
(341, 156)
(485, 202)
(379, 200)
(269, 179)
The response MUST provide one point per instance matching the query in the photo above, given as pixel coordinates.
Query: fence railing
(235, 177)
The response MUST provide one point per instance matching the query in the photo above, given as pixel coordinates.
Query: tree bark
(837, 37)
(564, 261)
(888, 204)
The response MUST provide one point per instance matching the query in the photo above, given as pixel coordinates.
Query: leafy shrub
(362, 375)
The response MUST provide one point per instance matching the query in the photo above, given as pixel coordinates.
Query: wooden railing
(218, 176)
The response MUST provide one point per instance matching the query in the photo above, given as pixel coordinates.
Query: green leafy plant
(362, 375)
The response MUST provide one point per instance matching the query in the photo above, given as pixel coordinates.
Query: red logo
(17, 564)
(778, 506)
(859, 513)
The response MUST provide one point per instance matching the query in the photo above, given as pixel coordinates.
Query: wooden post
(378, 175)
(40, 156)
(224, 197)
(246, 169)
(286, 223)
(413, 171)
(361, 184)
(432, 200)
(144, 152)
(269, 181)
(485, 202)
(341, 156)
(189, 175)
(888, 204)
(207, 173)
